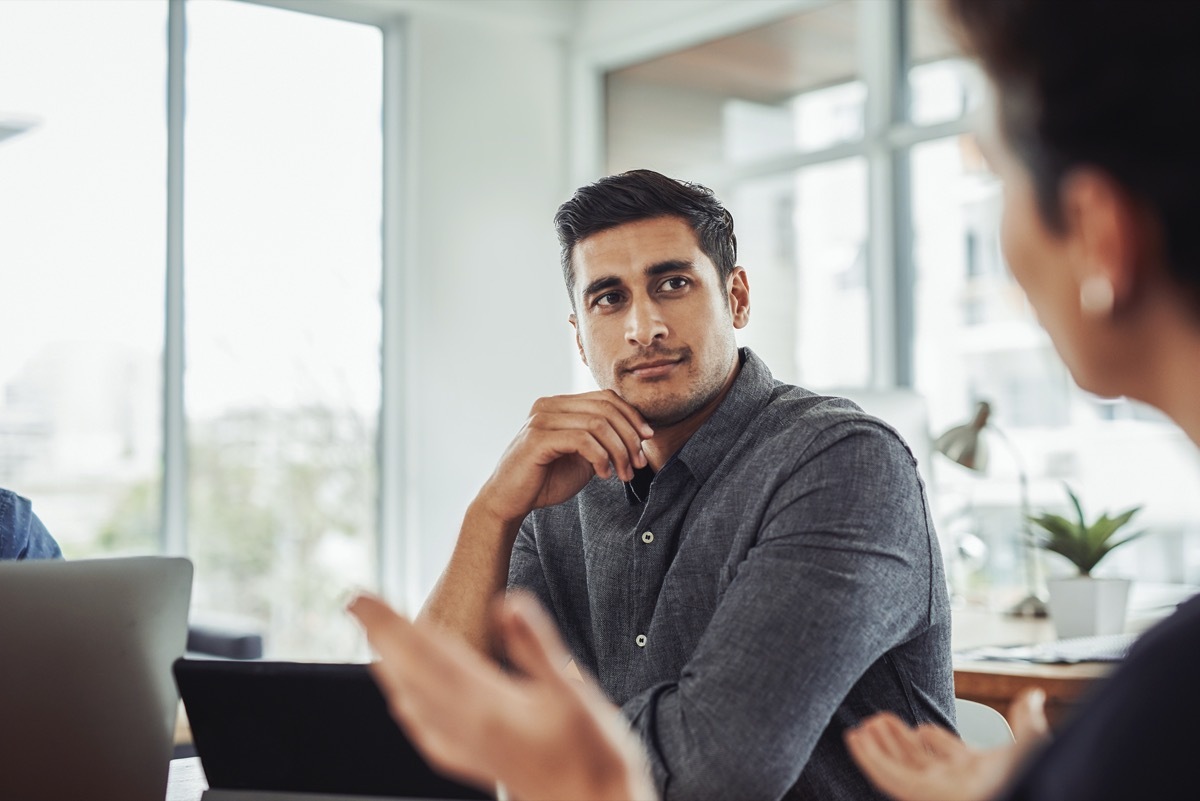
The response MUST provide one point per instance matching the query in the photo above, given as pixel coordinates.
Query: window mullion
(879, 52)
(173, 532)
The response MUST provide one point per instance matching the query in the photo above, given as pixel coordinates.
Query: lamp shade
(964, 444)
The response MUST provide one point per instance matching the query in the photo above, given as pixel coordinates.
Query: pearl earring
(1096, 296)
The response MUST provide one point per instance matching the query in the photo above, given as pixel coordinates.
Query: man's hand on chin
(566, 440)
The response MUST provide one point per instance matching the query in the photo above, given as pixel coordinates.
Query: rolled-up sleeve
(839, 575)
(525, 566)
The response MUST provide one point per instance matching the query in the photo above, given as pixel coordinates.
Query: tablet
(302, 727)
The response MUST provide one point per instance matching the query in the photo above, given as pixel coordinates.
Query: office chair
(980, 726)
(226, 643)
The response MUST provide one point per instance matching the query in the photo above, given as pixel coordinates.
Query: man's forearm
(477, 572)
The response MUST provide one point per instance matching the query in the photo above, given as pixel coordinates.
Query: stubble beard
(663, 411)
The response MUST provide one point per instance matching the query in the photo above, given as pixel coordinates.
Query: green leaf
(1078, 506)
(1083, 544)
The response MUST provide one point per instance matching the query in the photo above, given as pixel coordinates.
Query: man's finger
(623, 406)
(607, 404)
(620, 444)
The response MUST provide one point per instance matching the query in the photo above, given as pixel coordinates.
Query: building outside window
(280, 310)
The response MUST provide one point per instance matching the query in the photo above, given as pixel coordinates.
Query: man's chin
(664, 412)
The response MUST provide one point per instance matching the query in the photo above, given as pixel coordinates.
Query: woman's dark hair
(1111, 84)
(645, 195)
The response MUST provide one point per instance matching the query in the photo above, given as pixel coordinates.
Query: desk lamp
(964, 445)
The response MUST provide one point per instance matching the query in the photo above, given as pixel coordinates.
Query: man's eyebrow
(672, 266)
(601, 284)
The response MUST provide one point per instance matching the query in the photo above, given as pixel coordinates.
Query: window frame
(397, 555)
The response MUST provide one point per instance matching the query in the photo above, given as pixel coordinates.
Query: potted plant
(1083, 605)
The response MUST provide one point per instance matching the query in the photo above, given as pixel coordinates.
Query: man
(746, 568)
(22, 535)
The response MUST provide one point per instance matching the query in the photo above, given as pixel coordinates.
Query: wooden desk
(996, 683)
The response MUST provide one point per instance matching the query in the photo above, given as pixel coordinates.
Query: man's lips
(653, 369)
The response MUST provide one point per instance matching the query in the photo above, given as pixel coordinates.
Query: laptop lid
(87, 705)
(302, 727)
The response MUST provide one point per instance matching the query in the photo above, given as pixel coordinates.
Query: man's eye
(608, 299)
(674, 283)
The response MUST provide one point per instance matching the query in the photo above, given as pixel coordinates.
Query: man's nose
(644, 323)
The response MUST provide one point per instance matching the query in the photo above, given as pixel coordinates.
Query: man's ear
(739, 297)
(1110, 236)
(578, 342)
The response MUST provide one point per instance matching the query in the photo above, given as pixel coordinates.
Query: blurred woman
(1095, 144)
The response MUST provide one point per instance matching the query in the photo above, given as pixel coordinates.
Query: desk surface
(996, 683)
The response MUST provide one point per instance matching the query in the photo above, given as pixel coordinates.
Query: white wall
(486, 117)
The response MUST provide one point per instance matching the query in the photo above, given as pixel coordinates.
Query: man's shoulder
(792, 407)
(801, 422)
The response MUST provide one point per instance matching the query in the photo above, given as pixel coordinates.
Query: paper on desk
(186, 780)
(1105, 648)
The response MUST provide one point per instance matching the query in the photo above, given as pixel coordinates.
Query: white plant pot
(1083, 606)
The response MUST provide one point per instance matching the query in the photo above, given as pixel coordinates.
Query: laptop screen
(87, 705)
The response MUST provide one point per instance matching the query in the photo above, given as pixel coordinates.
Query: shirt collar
(703, 451)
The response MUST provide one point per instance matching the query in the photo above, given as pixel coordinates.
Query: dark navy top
(1135, 738)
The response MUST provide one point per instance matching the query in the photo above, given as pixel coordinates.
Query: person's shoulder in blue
(22, 534)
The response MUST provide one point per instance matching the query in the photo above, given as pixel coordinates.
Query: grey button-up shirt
(774, 583)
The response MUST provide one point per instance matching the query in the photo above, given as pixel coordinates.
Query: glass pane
(82, 210)
(976, 336)
(785, 87)
(283, 318)
(943, 86)
(802, 240)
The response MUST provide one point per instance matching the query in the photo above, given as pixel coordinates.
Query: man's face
(654, 321)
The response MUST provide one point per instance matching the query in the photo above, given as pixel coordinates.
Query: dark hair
(1111, 84)
(645, 195)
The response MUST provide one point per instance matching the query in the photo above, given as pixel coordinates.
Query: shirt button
(640, 640)
(648, 537)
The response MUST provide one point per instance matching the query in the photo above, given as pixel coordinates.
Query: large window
(841, 139)
(279, 306)
(82, 204)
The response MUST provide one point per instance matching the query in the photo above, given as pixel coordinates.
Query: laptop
(87, 705)
(270, 729)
